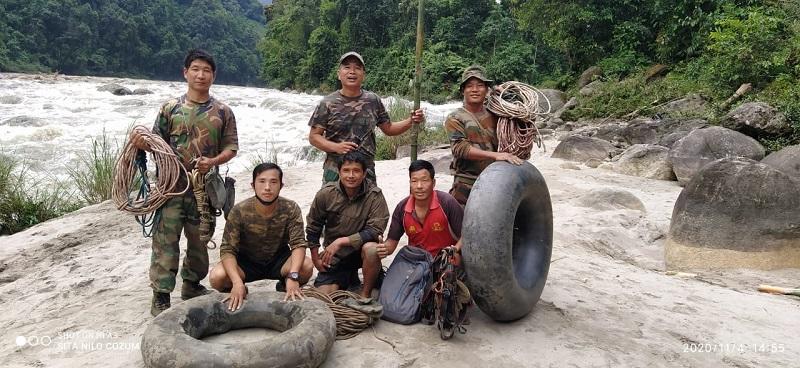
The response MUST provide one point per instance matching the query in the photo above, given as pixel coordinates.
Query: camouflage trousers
(461, 189)
(178, 214)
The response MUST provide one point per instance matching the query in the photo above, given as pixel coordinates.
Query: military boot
(160, 303)
(190, 290)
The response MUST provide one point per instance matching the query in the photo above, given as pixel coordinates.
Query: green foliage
(25, 201)
(386, 146)
(130, 38)
(634, 95)
(742, 49)
(93, 173)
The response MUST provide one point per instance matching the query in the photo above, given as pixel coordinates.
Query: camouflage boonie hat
(353, 54)
(475, 71)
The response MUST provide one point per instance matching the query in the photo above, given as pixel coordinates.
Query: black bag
(405, 284)
(221, 192)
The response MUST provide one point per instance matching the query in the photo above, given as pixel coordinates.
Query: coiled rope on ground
(517, 106)
(131, 169)
(349, 322)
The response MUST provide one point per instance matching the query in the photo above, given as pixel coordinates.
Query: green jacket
(333, 215)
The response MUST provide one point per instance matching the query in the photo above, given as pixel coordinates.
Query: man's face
(351, 73)
(267, 185)
(422, 184)
(475, 91)
(199, 75)
(352, 175)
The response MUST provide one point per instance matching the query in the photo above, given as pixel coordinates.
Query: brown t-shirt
(259, 237)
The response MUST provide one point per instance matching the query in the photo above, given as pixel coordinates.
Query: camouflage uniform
(362, 219)
(191, 130)
(349, 119)
(466, 130)
(256, 237)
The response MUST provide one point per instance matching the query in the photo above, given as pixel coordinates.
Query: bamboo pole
(417, 80)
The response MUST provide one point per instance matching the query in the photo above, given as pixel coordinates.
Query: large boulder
(757, 119)
(736, 213)
(589, 75)
(110, 87)
(142, 91)
(591, 88)
(641, 131)
(581, 149)
(10, 100)
(702, 146)
(606, 199)
(556, 98)
(24, 121)
(655, 72)
(691, 105)
(645, 160)
(786, 160)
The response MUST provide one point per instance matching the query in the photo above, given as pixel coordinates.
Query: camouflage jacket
(350, 119)
(466, 130)
(194, 130)
(258, 237)
(361, 218)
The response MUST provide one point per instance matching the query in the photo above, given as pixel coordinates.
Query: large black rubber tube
(507, 239)
(308, 330)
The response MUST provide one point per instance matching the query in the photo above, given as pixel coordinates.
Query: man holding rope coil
(473, 134)
(202, 131)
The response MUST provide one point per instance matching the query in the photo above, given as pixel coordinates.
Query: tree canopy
(130, 37)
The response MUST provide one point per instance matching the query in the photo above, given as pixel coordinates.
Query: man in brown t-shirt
(345, 120)
(263, 239)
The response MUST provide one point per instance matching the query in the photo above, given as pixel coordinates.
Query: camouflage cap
(475, 71)
(353, 54)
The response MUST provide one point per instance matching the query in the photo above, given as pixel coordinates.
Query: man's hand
(456, 255)
(317, 261)
(383, 249)
(236, 298)
(417, 116)
(293, 291)
(331, 250)
(503, 156)
(343, 148)
(138, 139)
(204, 164)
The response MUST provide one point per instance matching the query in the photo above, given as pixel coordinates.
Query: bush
(633, 94)
(93, 174)
(25, 202)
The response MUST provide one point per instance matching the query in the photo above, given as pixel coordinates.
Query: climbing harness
(130, 171)
(203, 208)
(517, 106)
(353, 313)
(446, 302)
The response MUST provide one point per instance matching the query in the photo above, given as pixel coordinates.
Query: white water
(68, 112)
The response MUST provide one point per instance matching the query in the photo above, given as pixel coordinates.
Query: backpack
(220, 192)
(405, 284)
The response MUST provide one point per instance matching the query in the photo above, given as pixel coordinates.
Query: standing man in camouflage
(472, 131)
(202, 132)
(263, 239)
(350, 214)
(345, 120)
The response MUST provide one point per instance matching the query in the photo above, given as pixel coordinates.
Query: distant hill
(130, 38)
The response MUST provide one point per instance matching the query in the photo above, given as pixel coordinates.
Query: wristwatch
(294, 276)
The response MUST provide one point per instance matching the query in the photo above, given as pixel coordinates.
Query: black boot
(160, 303)
(190, 290)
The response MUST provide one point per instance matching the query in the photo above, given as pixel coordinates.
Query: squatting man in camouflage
(202, 131)
(263, 239)
(345, 120)
(353, 214)
(473, 134)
